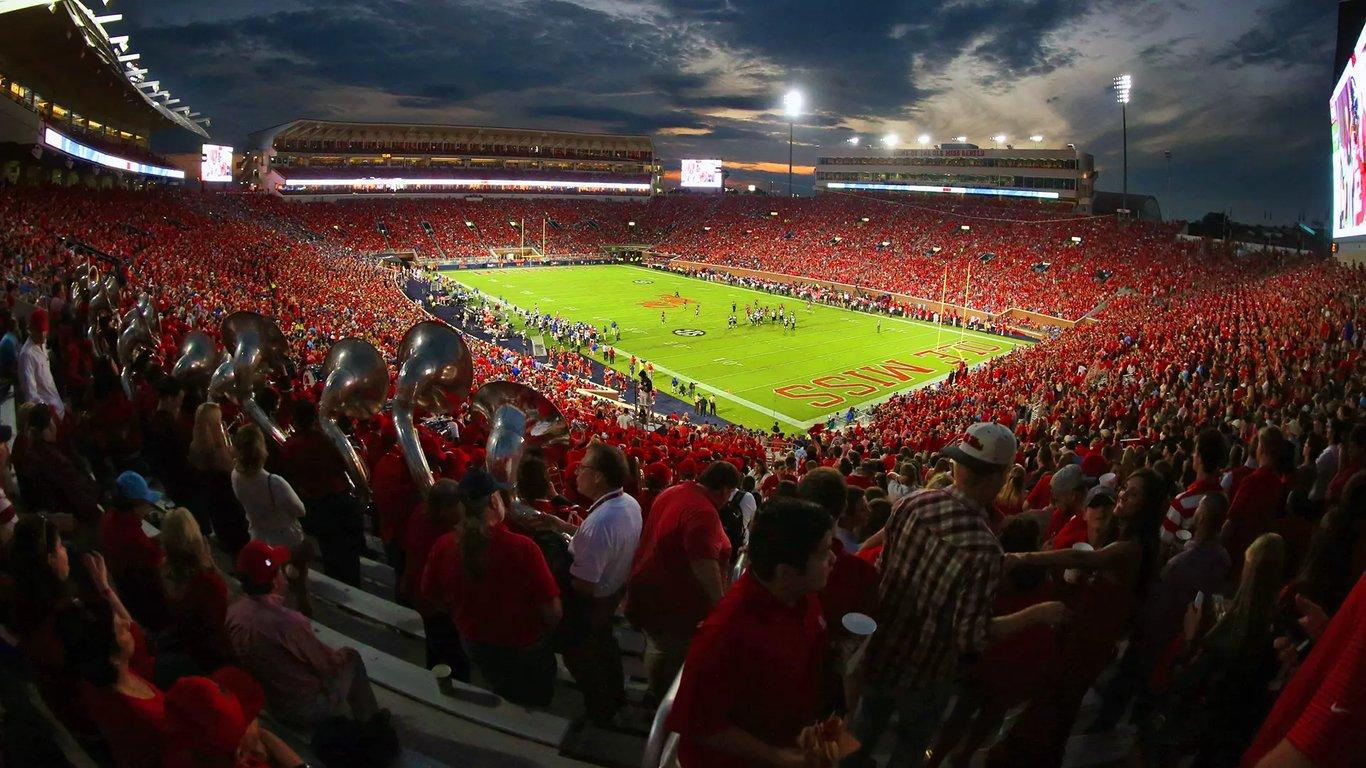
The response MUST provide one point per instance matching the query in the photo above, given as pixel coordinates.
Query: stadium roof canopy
(61, 50)
(387, 133)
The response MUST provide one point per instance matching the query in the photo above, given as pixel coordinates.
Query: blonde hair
(249, 449)
(1012, 493)
(939, 480)
(187, 551)
(209, 443)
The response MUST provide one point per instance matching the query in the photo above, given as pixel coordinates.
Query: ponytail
(474, 538)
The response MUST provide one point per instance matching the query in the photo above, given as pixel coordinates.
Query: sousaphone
(435, 370)
(356, 381)
(257, 349)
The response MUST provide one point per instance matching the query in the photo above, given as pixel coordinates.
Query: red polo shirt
(852, 586)
(663, 596)
(312, 465)
(502, 608)
(126, 546)
(1322, 711)
(772, 696)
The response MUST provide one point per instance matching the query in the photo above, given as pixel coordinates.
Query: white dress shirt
(605, 544)
(35, 377)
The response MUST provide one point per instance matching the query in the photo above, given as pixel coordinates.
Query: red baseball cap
(1094, 465)
(207, 716)
(258, 562)
(37, 321)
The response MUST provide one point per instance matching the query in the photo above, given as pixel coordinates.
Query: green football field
(835, 358)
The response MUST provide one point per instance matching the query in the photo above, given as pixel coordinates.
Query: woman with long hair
(210, 458)
(129, 710)
(1010, 500)
(196, 595)
(272, 509)
(499, 591)
(1114, 583)
(1218, 692)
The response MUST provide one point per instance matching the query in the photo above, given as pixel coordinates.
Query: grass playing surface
(835, 359)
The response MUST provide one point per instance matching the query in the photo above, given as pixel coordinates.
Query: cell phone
(1199, 599)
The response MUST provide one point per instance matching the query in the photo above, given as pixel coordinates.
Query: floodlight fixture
(750, 188)
(1123, 84)
(960, 139)
(853, 140)
(924, 139)
(889, 141)
(1036, 138)
(999, 138)
(792, 103)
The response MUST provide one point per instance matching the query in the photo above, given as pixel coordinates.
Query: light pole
(1124, 84)
(1168, 154)
(792, 107)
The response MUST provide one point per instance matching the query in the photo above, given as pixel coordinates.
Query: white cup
(1073, 575)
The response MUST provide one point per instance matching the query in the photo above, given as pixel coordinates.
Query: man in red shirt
(678, 574)
(1320, 718)
(752, 677)
(316, 472)
(134, 558)
(1211, 451)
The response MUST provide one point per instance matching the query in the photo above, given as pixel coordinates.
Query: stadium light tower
(854, 140)
(1123, 85)
(961, 139)
(889, 141)
(924, 139)
(999, 138)
(792, 107)
(1036, 138)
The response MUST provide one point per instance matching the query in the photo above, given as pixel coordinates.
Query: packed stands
(1261, 350)
(1019, 255)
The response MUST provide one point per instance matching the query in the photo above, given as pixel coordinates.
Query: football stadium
(681, 385)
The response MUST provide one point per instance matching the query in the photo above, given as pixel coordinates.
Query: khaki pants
(664, 655)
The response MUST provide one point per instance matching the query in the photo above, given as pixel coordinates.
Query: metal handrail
(662, 744)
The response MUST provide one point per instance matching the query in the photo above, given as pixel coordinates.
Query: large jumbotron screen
(215, 163)
(701, 173)
(1349, 146)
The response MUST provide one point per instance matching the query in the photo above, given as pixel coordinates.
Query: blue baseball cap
(134, 486)
(478, 483)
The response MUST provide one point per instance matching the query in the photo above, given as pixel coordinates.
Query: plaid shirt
(940, 565)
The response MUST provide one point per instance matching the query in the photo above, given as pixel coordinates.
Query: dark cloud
(1284, 36)
(704, 77)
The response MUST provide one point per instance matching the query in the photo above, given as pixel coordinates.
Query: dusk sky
(1236, 89)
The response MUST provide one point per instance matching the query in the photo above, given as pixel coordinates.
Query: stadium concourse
(1177, 483)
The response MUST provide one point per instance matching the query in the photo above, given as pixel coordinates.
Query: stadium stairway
(436, 244)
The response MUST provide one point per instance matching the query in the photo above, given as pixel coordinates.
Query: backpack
(733, 523)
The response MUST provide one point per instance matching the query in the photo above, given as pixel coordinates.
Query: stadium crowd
(1032, 257)
(1165, 506)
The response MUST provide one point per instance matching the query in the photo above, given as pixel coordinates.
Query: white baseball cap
(986, 445)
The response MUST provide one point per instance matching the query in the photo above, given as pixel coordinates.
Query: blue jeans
(918, 712)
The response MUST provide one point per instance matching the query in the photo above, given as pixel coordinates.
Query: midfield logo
(689, 332)
(642, 282)
(665, 301)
